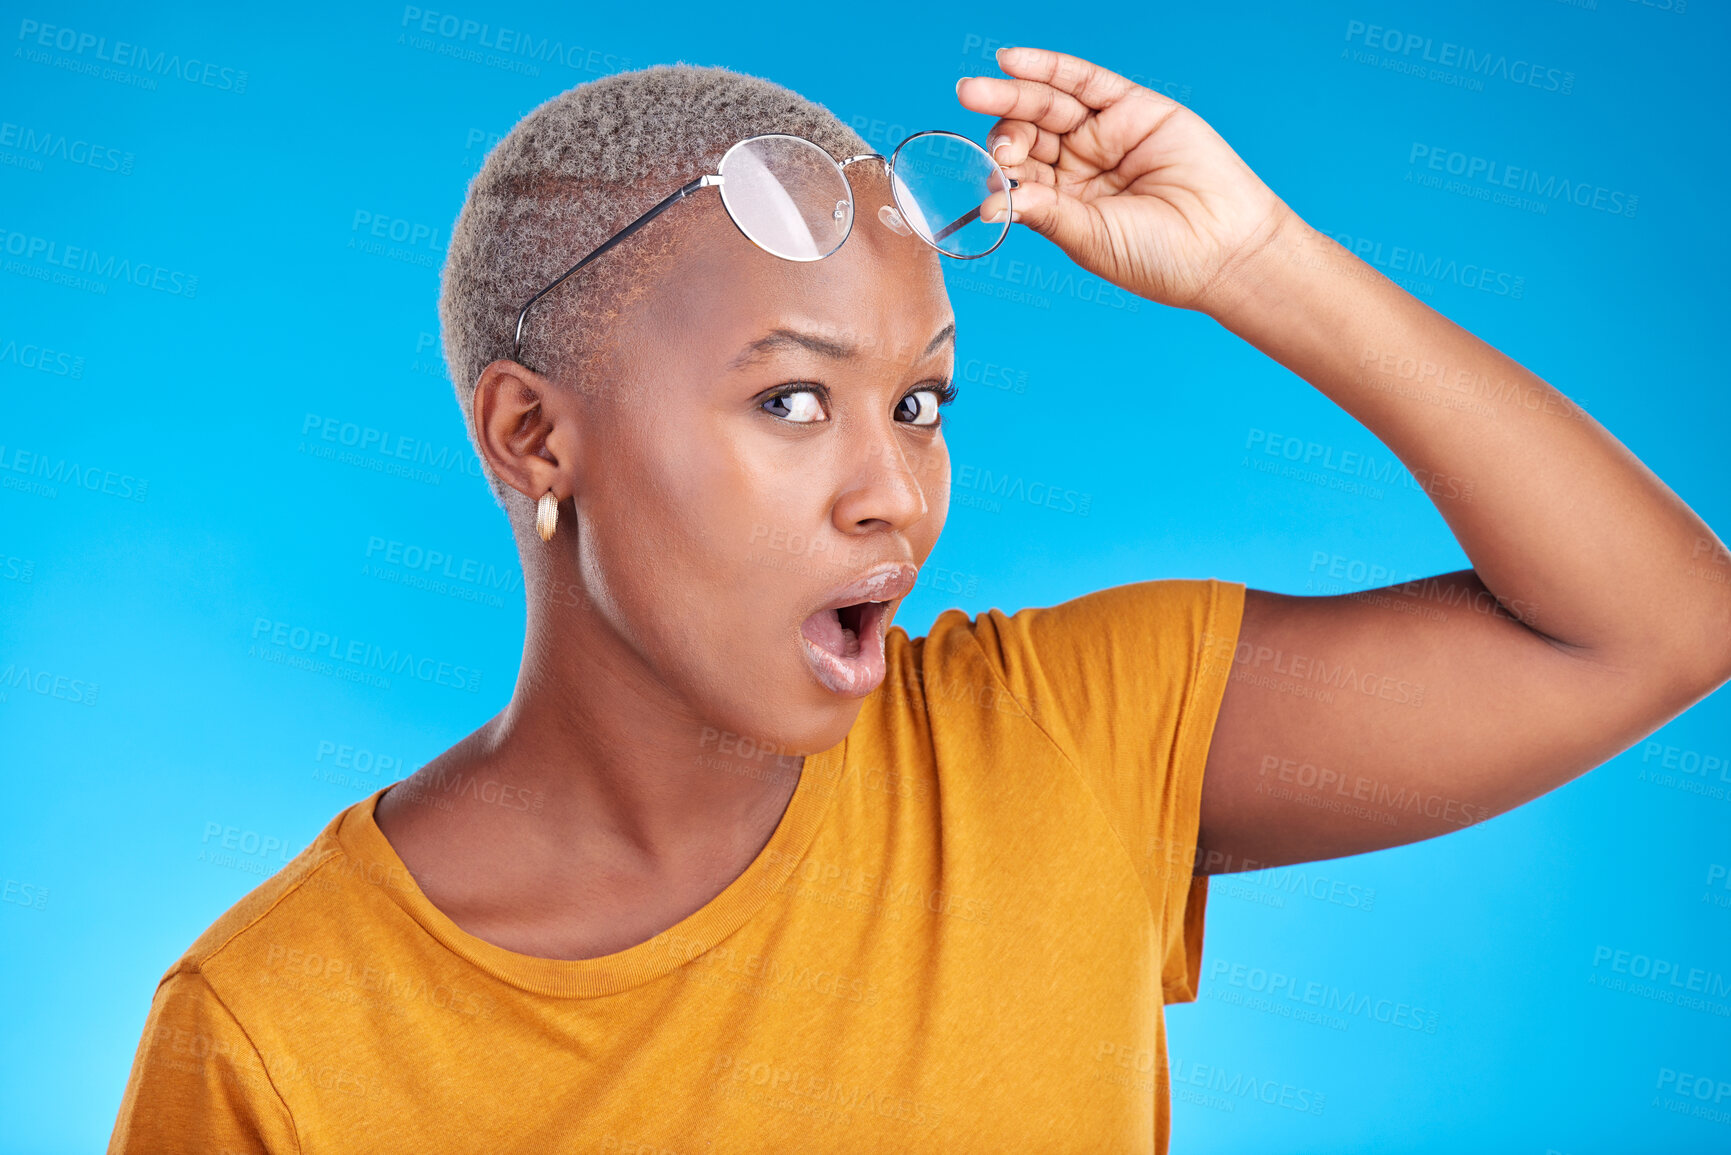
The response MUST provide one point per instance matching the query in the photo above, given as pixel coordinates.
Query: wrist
(1240, 286)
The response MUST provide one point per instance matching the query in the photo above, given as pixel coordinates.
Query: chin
(819, 721)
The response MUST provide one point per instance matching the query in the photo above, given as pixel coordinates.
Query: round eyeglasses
(792, 199)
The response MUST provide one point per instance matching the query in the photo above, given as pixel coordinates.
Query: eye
(800, 406)
(922, 405)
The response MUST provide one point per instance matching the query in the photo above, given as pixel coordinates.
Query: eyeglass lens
(941, 180)
(790, 197)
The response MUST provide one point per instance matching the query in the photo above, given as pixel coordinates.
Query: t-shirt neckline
(363, 841)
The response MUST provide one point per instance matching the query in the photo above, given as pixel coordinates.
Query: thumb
(1059, 217)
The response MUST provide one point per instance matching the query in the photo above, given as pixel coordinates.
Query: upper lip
(880, 583)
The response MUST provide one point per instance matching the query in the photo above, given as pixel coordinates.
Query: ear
(527, 428)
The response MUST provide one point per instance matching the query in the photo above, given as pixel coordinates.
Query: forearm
(1561, 522)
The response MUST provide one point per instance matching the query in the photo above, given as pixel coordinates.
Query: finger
(1084, 80)
(1031, 170)
(1014, 141)
(1031, 100)
(1056, 215)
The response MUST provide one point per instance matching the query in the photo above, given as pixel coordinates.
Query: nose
(887, 491)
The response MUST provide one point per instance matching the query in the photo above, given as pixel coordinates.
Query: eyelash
(946, 393)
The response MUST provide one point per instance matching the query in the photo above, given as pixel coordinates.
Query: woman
(742, 867)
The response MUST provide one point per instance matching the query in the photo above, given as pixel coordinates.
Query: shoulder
(307, 887)
(1102, 666)
(1173, 620)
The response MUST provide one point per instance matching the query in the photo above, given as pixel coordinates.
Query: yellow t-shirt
(958, 938)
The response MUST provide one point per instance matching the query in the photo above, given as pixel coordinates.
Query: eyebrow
(823, 346)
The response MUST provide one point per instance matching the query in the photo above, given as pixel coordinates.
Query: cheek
(639, 539)
(937, 493)
(938, 497)
(695, 527)
(759, 498)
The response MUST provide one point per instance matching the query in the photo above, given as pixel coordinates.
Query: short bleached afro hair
(569, 175)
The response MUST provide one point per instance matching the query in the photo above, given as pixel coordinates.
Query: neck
(612, 755)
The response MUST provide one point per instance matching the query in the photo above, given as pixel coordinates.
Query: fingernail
(959, 85)
(1002, 143)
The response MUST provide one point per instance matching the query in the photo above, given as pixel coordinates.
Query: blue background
(106, 850)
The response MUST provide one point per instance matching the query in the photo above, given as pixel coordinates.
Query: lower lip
(859, 675)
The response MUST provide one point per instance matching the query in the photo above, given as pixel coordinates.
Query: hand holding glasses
(791, 198)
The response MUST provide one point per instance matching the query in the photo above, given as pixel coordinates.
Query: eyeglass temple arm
(969, 216)
(671, 198)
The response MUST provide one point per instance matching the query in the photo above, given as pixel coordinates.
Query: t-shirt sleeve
(1127, 682)
(197, 1082)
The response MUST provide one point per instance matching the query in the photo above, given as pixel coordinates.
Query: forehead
(721, 299)
(824, 339)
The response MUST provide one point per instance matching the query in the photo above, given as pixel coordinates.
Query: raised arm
(1598, 605)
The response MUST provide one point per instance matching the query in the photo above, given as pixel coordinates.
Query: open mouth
(845, 646)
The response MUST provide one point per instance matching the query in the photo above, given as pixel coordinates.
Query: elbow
(1701, 657)
(1719, 658)
(1710, 566)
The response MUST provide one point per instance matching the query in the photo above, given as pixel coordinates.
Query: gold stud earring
(546, 515)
